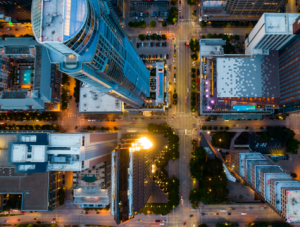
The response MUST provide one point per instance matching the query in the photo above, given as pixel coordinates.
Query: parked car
(137, 45)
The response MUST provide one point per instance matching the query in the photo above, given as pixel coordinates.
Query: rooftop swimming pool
(27, 76)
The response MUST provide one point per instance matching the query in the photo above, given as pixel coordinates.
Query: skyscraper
(131, 179)
(85, 40)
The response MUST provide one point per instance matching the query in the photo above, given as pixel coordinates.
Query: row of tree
(94, 128)
(211, 178)
(30, 116)
(28, 127)
(258, 224)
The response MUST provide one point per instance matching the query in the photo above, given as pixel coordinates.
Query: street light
(220, 140)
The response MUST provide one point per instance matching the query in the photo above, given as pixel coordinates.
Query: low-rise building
(93, 101)
(28, 79)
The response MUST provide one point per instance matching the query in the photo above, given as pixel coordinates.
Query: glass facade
(289, 76)
(103, 55)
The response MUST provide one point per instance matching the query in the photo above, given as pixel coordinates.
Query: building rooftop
(276, 23)
(61, 19)
(283, 184)
(246, 155)
(33, 197)
(94, 101)
(248, 77)
(292, 205)
(65, 140)
(267, 185)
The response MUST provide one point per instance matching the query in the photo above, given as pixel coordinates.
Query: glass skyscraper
(85, 40)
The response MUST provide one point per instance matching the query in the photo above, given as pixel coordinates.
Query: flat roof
(280, 23)
(246, 155)
(65, 140)
(292, 205)
(94, 101)
(268, 177)
(62, 19)
(4, 140)
(38, 153)
(18, 153)
(260, 168)
(34, 189)
(248, 77)
(282, 184)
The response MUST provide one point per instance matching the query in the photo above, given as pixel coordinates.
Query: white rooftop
(92, 100)
(283, 184)
(61, 19)
(278, 23)
(18, 153)
(252, 155)
(65, 140)
(22, 153)
(292, 206)
(267, 185)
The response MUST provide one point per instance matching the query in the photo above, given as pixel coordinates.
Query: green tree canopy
(152, 24)
(130, 24)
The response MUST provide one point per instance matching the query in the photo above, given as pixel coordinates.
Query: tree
(192, 2)
(130, 24)
(175, 102)
(246, 127)
(193, 70)
(226, 128)
(88, 128)
(173, 2)
(203, 24)
(152, 24)
(163, 37)
(294, 175)
(94, 128)
(158, 37)
(194, 56)
(263, 137)
(175, 96)
(61, 196)
(164, 24)
(204, 127)
(216, 128)
(221, 139)
(142, 24)
(209, 128)
(135, 24)
(292, 146)
(193, 75)
(115, 128)
(236, 37)
(142, 37)
(173, 15)
(202, 225)
(153, 36)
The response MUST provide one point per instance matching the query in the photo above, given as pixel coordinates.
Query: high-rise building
(269, 181)
(280, 34)
(43, 152)
(85, 40)
(272, 32)
(131, 179)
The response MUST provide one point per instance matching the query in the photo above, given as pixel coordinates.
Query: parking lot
(147, 11)
(273, 147)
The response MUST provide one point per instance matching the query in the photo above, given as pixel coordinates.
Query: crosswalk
(182, 132)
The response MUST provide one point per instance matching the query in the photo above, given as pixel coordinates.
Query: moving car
(157, 220)
(243, 213)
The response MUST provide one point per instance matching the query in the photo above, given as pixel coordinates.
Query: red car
(167, 56)
(153, 56)
(182, 17)
(23, 212)
(184, 223)
(149, 56)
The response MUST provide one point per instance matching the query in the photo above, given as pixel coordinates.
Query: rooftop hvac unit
(97, 107)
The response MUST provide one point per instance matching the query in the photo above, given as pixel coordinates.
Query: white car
(243, 213)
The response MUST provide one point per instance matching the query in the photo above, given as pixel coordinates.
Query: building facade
(275, 187)
(253, 8)
(131, 179)
(85, 40)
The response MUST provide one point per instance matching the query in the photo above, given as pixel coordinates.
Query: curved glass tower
(85, 40)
